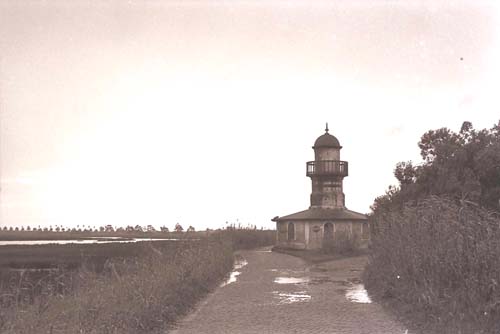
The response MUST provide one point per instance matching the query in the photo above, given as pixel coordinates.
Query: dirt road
(276, 293)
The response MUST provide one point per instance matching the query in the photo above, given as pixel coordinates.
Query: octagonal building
(327, 221)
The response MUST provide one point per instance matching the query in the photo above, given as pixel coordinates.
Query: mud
(278, 293)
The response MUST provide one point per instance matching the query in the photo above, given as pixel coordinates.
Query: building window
(291, 231)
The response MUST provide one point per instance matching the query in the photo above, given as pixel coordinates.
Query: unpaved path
(278, 293)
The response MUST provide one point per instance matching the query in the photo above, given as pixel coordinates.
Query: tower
(327, 219)
(327, 172)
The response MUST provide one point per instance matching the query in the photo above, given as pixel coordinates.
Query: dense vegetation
(143, 290)
(436, 236)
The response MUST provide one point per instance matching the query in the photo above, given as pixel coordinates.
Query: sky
(204, 112)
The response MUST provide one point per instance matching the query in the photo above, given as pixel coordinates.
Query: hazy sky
(202, 112)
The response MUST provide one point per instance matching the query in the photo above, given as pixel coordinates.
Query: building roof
(327, 140)
(324, 214)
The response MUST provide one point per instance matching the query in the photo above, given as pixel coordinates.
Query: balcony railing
(327, 168)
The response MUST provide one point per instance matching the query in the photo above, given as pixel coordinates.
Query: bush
(343, 243)
(440, 259)
(247, 239)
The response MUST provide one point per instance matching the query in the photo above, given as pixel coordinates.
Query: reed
(437, 262)
(141, 291)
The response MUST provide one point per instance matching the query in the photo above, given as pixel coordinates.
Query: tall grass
(144, 292)
(439, 260)
(247, 238)
(134, 295)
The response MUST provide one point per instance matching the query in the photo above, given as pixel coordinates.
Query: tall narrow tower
(327, 219)
(327, 172)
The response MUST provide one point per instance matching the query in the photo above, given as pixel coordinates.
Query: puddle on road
(358, 294)
(292, 280)
(263, 251)
(309, 280)
(355, 292)
(290, 298)
(233, 276)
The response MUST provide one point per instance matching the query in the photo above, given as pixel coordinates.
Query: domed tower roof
(327, 140)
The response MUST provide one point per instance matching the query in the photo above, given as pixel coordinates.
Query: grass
(437, 263)
(144, 291)
(246, 239)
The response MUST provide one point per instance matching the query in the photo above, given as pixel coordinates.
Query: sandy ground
(278, 293)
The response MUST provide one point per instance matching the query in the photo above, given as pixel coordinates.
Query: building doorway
(328, 232)
(291, 231)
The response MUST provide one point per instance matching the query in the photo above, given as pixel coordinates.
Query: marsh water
(94, 240)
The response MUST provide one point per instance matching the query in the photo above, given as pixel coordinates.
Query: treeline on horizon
(129, 228)
(436, 235)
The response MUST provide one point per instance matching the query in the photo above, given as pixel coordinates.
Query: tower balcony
(327, 168)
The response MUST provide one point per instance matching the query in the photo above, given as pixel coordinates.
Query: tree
(190, 229)
(164, 229)
(178, 228)
(463, 166)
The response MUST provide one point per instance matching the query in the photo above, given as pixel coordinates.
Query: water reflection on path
(291, 280)
(355, 291)
(358, 294)
(233, 276)
(289, 298)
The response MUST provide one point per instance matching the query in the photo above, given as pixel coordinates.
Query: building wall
(326, 153)
(315, 235)
(310, 234)
(327, 193)
(281, 233)
(299, 237)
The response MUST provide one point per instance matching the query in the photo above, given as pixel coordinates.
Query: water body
(94, 240)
